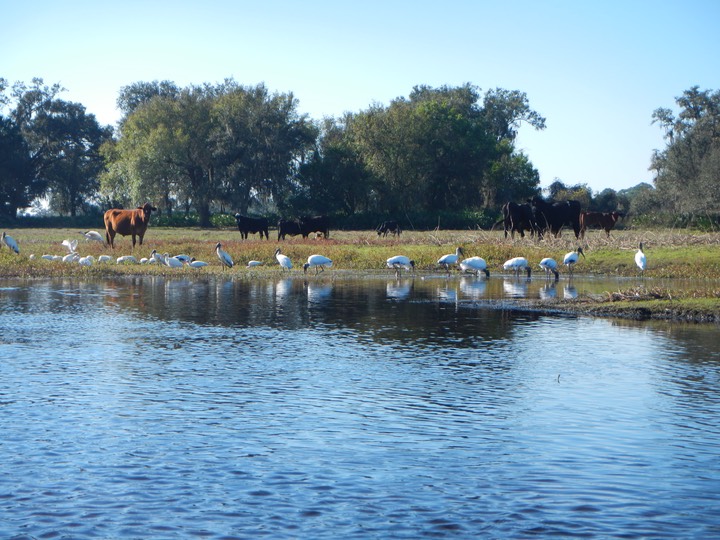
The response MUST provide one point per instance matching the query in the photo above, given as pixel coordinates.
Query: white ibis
(253, 264)
(94, 236)
(224, 256)
(452, 258)
(398, 262)
(572, 258)
(104, 258)
(516, 264)
(10, 242)
(550, 266)
(88, 260)
(126, 259)
(283, 260)
(475, 265)
(194, 263)
(319, 262)
(641, 260)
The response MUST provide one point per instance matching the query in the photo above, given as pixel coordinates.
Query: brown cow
(604, 220)
(127, 222)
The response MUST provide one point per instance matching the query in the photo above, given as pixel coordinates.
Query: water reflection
(318, 408)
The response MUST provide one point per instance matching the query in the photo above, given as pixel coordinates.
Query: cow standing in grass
(127, 222)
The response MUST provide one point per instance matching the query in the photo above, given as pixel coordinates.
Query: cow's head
(147, 208)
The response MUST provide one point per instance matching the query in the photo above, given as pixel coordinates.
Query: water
(320, 408)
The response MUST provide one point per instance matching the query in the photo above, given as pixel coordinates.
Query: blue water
(154, 408)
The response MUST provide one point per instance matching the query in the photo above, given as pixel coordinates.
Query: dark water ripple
(339, 417)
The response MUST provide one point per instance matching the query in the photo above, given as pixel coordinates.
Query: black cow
(252, 225)
(320, 224)
(517, 218)
(386, 227)
(553, 216)
(288, 226)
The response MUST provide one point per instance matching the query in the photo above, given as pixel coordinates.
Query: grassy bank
(671, 254)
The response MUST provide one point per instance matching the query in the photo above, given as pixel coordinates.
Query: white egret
(71, 257)
(71, 245)
(572, 258)
(319, 262)
(10, 242)
(104, 259)
(224, 256)
(88, 260)
(252, 264)
(94, 236)
(398, 262)
(475, 265)
(550, 266)
(283, 260)
(452, 258)
(516, 264)
(641, 260)
(126, 259)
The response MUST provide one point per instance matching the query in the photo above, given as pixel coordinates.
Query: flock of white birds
(474, 265)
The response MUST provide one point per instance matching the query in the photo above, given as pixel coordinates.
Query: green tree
(688, 169)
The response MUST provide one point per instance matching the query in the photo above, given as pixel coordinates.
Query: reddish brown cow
(604, 220)
(127, 222)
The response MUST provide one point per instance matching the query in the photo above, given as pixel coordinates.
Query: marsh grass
(671, 253)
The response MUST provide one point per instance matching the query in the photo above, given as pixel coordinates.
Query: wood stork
(641, 260)
(283, 260)
(319, 262)
(572, 258)
(71, 245)
(172, 262)
(516, 264)
(452, 258)
(475, 265)
(183, 258)
(398, 262)
(154, 255)
(194, 263)
(550, 266)
(94, 236)
(224, 256)
(252, 264)
(10, 242)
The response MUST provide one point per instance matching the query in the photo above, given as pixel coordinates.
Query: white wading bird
(224, 256)
(318, 262)
(550, 266)
(517, 264)
(94, 236)
(475, 265)
(452, 258)
(252, 264)
(10, 242)
(641, 260)
(398, 262)
(283, 260)
(71, 245)
(572, 258)
(194, 263)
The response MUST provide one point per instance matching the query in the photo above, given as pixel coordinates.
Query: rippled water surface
(374, 408)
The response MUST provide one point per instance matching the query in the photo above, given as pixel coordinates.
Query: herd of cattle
(537, 217)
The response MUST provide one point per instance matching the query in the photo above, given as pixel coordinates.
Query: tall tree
(688, 169)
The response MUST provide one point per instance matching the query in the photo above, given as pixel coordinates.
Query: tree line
(226, 148)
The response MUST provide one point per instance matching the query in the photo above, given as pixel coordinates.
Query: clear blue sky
(595, 70)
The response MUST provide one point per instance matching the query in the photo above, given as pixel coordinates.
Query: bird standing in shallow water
(317, 261)
(452, 258)
(398, 262)
(641, 260)
(224, 256)
(283, 260)
(550, 266)
(10, 242)
(516, 264)
(475, 265)
(572, 258)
